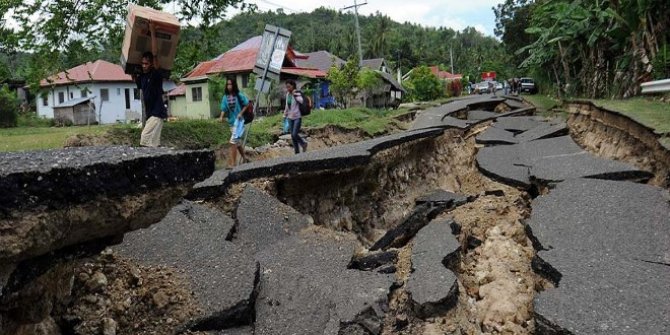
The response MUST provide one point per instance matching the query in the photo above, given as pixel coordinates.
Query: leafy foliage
(423, 85)
(593, 48)
(343, 81)
(367, 80)
(9, 108)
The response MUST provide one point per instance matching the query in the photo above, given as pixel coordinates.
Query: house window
(245, 80)
(136, 94)
(61, 97)
(71, 95)
(118, 91)
(84, 93)
(196, 92)
(104, 94)
(45, 100)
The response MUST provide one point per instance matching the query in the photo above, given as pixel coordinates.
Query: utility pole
(358, 30)
(451, 56)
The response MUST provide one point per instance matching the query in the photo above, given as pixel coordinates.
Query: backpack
(249, 114)
(306, 105)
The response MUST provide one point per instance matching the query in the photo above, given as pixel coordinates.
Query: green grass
(543, 103)
(40, 138)
(653, 114)
(371, 121)
(196, 134)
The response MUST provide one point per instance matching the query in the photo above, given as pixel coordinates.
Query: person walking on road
(150, 82)
(292, 113)
(233, 105)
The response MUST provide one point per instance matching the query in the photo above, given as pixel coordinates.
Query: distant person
(150, 81)
(292, 113)
(233, 105)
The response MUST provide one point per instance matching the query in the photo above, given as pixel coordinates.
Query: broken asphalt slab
(518, 123)
(58, 198)
(431, 285)
(586, 165)
(62, 177)
(338, 157)
(441, 196)
(544, 130)
(478, 115)
(191, 239)
(496, 136)
(262, 220)
(407, 229)
(306, 288)
(610, 241)
(552, 159)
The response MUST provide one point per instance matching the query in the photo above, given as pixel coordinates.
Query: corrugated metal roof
(389, 78)
(74, 102)
(375, 64)
(303, 72)
(99, 70)
(241, 58)
(322, 60)
(179, 90)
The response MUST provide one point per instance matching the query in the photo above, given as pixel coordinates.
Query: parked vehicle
(528, 85)
(482, 87)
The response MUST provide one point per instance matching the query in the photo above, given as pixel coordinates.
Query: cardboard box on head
(137, 38)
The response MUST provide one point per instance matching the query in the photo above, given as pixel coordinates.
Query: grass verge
(197, 134)
(651, 113)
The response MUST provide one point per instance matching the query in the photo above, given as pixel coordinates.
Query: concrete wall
(112, 111)
(106, 112)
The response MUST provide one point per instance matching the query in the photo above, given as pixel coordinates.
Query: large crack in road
(483, 225)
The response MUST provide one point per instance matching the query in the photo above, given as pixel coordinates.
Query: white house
(116, 97)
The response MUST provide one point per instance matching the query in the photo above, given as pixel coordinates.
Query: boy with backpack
(297, 106)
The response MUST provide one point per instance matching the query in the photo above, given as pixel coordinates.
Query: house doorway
(127, 93)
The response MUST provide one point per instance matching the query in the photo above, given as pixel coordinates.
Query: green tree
(343, 81)
(423, 85)
(9, 108)
(367, 81)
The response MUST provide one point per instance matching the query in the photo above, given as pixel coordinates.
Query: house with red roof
(194, 98)
(112, 93)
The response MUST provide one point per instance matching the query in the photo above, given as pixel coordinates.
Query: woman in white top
(292, 113)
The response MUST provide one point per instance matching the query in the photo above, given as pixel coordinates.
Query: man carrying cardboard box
(150, 82)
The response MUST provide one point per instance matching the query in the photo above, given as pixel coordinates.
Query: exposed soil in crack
(613, 136)
(113, 295)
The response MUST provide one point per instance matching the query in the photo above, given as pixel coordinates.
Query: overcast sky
(456, 14)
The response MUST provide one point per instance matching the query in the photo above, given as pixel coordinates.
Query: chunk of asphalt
(405, 231)
(477, 115)
(516, 164)
(337, 157)
(432, 286)
(306, 288)
(191, 238)
(546, 130)
(610, 241)
(262, 220)
(373, 260)
(43, 192)
(584, 164)
(451, 199)
(439, 116)
(518, 123)
(501, 163)
(515, 104)
(496, 136)
(211, 187)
